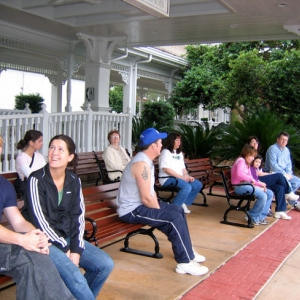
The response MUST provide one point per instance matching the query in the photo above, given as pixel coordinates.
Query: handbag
(20, 185)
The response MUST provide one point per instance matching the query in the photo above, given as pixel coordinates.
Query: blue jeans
(280, 186)
(188, 190)
(262, 204)
(169, 219)
(295, 183)
(34, 273)
(96, 263)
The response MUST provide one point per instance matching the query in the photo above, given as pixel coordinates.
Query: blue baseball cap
(151, 135)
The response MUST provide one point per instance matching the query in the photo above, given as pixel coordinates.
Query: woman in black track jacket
(54, 203)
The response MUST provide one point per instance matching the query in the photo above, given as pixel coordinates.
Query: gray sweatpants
(34, 273)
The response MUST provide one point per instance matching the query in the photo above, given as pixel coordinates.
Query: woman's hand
(186, 177)
(191, 179)
(75, 257)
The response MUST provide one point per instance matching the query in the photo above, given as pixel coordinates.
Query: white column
(97, 68)
(68, 107)
(97, 76)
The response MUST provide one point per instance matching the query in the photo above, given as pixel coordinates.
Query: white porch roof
(190, 21)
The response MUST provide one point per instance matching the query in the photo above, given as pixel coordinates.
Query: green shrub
(198, 141)
(264, 124)
(160, 113)
(35, 102)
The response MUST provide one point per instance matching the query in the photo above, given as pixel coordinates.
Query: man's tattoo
(145, 174)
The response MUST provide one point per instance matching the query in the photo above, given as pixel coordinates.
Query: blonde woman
(115, 156)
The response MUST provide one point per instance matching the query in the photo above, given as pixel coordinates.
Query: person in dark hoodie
(54, 203)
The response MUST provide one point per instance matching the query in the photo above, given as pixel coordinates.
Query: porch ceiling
(190, 21)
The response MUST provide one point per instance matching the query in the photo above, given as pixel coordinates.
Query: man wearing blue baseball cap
(137, 203)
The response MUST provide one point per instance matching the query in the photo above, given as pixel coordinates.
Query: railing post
(128, 131)
(27, 109)
(89, 134)
(45, 130)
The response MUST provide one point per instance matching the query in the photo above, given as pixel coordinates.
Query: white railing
(194, 122)
(88, 129)
(7, 112)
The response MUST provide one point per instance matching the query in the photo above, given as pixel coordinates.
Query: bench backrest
(87, 168)
(11, 177)
(200, 168)
(103, 170)
(226, 178)
(100, 202)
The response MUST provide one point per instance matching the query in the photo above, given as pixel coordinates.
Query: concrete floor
(138, 277)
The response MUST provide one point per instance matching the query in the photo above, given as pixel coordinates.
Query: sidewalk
(247, 273)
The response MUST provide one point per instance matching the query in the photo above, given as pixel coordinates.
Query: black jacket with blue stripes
(58, 222)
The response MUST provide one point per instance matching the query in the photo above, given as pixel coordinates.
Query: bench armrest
(176, 181)
(245, 184)
(90, 236)
(200, 177)
(220, 168)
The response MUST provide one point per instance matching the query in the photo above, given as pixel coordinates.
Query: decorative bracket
(125, 76)
(99, 49)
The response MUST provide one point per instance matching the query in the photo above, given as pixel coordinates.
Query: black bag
(20, 186)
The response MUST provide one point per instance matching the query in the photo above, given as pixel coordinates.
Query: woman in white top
(115, 156)
(29, 160)
(171, 163)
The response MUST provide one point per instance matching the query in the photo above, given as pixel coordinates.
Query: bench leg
(204, 200)
(148, 232)
(238, 208)
(210, 192)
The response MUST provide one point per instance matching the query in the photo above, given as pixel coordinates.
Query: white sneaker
(185, 208)
(191, 268)
(282, 215)
(198, 257)
(291, 196)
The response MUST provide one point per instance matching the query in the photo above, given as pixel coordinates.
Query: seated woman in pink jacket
(241, 173)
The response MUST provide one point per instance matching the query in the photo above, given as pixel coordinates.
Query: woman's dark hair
(170, 141)
(70, 146)
(30, 135)
(253, 137)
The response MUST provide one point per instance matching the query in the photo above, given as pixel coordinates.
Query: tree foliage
(283, 87)
(159, 112)
(35, 102)
(116, 99)
(242, 76)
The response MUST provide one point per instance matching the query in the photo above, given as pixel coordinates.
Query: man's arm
(32, 240)
(142, 174)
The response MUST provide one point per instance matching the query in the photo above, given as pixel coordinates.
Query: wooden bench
(103, 225)
(87, 169)
(243, 201)
(209, 175)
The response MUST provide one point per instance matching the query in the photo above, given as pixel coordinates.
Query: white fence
(88, 129)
